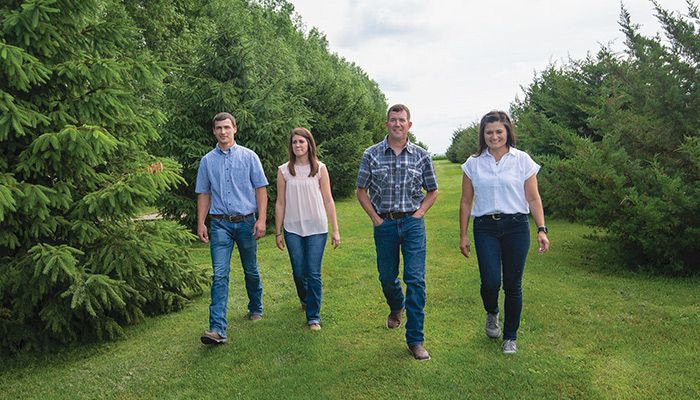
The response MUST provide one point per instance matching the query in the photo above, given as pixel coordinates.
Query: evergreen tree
(618, 139)
(253, 59)
(77, 98)
(465, 142)
(347, 109)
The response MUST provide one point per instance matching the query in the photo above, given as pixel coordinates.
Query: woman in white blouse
(304, 206)
(500, 183)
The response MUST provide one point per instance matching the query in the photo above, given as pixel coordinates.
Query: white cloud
(368, 21)
(451, 61)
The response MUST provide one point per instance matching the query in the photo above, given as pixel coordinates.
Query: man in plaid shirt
(392, 174)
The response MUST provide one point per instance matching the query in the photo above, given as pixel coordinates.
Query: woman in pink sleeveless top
(304, 207)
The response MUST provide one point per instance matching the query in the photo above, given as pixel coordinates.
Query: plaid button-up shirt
(395, 182)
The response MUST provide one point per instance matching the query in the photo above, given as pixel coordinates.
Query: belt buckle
(496, 217)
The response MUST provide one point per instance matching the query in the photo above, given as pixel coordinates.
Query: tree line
(106, 109)
(618, 136)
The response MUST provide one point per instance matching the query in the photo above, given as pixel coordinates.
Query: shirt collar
(385, 145)
(510, 151)
(227, 151)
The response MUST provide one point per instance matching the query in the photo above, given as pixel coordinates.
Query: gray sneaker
(509, 346)
(492, 329)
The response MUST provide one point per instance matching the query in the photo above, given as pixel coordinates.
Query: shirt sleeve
(528, 166)
(429, 178)
(202, 185)
(322, 166)
(284, 171)
(364, 175)
(257, 175)
(466, 168)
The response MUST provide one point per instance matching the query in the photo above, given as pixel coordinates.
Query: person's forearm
(332, 217)
(203, 201)
(279, 216)
(366, 204)
(428, 202)
(261, 201)
(465, 212)
(534, 201)
(537, 211)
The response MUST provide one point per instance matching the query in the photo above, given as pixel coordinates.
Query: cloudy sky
(451, 61)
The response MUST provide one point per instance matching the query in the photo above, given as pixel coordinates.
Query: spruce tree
(253, 59)
(618, 137)
(76, 94)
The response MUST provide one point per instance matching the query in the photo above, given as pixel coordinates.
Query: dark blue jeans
(306, 256)
(501, 247)
(408, 236)
(222, 236)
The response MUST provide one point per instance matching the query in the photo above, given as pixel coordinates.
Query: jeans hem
(218, 331)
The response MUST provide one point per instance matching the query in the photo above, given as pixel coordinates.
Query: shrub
(618, 137)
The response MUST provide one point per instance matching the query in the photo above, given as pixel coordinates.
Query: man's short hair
(223, 116)
(398, 108)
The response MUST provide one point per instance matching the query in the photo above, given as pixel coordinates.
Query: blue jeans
(502, 246)
(407, 235)
(306, 255)
(223, 235)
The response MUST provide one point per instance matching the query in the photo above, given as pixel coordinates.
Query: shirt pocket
(380, 175)
(414, 179)
(240, 175)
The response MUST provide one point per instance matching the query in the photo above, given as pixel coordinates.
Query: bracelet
(278, 234)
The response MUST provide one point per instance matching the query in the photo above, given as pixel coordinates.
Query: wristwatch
(542, 229)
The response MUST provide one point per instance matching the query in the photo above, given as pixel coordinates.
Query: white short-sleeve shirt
(500, 188)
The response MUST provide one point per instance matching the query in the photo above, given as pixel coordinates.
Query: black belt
(232, 218)
(497, 216)
(396, 215)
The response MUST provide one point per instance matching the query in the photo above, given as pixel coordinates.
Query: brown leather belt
(396, 215)
(232, 218)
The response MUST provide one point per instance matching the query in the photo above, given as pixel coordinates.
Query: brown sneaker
(315, 327)
(212, 338)
(255, 317)
(419, 352)
(393, 321)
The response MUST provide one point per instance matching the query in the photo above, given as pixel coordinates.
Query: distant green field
(586, 332)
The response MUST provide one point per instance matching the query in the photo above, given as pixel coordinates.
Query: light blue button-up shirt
(231, 177)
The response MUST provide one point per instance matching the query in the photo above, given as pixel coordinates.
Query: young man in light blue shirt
(231, 188)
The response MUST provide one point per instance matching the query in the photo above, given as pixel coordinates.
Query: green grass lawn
(586, 332)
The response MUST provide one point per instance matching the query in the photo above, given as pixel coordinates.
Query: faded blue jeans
(223, 234)
(306, 255)
(501, 247)
(408, 236)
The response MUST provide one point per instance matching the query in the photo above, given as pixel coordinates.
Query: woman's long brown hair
(313, 159)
